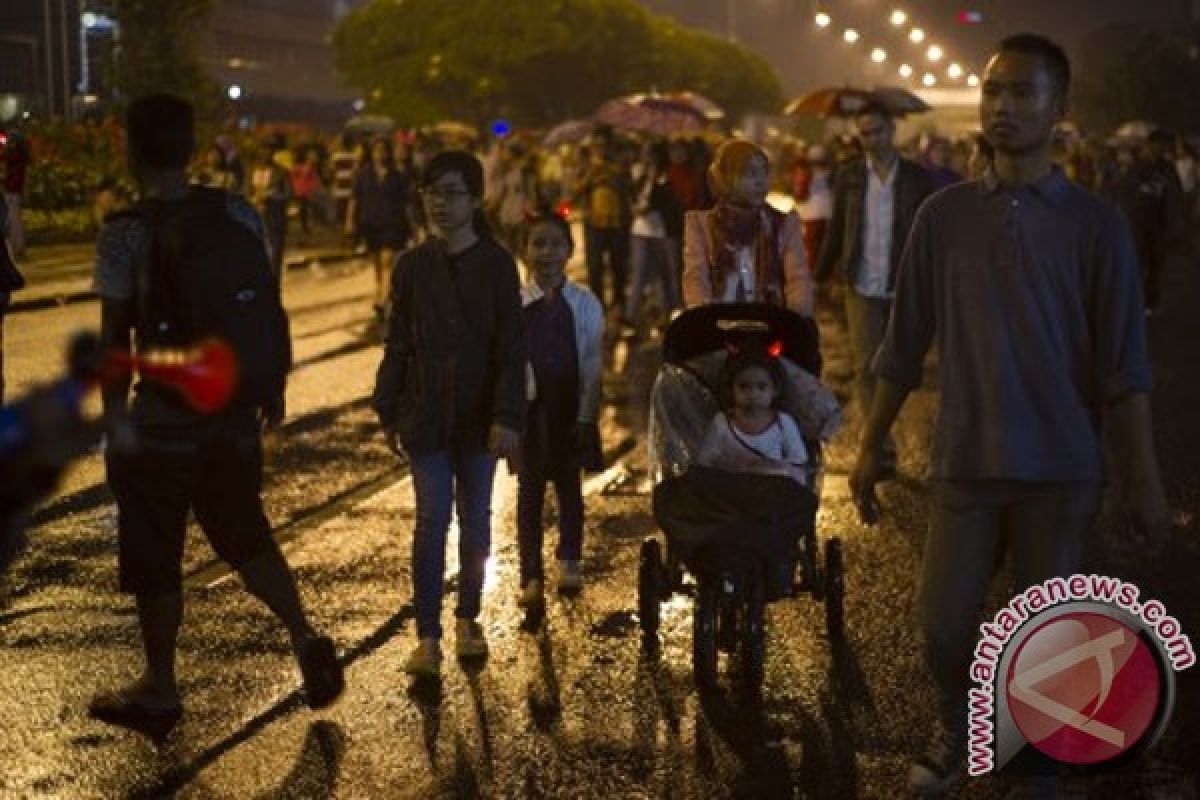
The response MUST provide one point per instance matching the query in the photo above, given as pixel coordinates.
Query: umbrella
(1136, 129)
(699, 102)
(651, 113)
(370, 124)
(452, 129)
(847, 102)
(569, 132)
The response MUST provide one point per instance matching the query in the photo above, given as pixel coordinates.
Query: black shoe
(323, 678)
(126, 709)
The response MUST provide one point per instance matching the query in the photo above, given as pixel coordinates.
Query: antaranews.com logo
(1079, 669)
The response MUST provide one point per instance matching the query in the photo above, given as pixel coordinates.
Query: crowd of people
(932, 249)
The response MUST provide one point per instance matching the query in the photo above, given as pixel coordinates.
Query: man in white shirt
(875, 201)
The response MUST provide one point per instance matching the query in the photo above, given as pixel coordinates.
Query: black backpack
(205, 274)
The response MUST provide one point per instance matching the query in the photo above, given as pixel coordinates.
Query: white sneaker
(531, 595)
(469, 640)
(569, 579)
(425, 661)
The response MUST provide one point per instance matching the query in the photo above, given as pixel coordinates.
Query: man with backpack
(184, 265)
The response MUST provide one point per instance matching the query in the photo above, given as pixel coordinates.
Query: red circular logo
(1083, 688)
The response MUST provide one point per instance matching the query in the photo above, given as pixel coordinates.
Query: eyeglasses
(446, 195)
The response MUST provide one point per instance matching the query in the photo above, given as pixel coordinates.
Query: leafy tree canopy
(157, 49)
(534, 61)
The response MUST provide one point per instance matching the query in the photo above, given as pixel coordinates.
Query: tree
(533, 61)
(157, 49)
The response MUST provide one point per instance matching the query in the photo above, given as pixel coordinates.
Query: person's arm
(591, 366)
(1133, 438)
(1122, 375)
(797, 277)
(116, 326)
(899, 363)
(398, 351)
(508, 364)
(697, 289)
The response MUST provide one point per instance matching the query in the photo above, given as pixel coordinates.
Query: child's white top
(778, 450)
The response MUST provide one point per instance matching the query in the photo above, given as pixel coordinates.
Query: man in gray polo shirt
(1029, 287)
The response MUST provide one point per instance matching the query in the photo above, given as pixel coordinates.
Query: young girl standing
(564, 326)
(753, 435)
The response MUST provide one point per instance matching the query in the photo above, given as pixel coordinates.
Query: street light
(879, 55)
(899, 18)
(905, 71)
(972, 79)
(234, 91)
(916, 36)
(850, 35)
(954, 71)
(929, 79)
(934, 53)
(823, 20)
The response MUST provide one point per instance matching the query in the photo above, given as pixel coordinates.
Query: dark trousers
(1043, 526)
(613, 242)
(531, 495)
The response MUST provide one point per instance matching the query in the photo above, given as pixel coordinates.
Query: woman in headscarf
(743, 250)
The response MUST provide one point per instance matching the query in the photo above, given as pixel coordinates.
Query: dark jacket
(842, 249)
(454, 359)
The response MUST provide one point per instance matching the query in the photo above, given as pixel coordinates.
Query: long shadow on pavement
(179, 776)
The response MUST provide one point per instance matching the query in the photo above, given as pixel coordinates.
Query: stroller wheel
(704, 635)
(835, 590)
(650, 571)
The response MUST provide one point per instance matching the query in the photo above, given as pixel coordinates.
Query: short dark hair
(161, 130)
(1053, 57)
(750, 354)
(459, 161)
(547, 217)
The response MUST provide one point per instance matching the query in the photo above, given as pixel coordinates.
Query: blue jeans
(464, 479)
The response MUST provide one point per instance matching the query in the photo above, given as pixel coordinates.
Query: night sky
(783, 30)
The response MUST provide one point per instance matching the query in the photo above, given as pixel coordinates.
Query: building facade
(40, 57)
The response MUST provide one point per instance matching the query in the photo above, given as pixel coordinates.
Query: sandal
(127, 709)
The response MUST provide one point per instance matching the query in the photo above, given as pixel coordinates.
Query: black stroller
(740, 536)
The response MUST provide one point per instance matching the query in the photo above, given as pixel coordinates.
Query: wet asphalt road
(570, 706)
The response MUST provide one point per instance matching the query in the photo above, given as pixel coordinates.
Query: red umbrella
(847, 102)
(651, 113)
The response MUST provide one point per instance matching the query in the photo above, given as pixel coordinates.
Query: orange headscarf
(729, 164)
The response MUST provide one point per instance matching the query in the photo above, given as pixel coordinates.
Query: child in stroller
(739, 533)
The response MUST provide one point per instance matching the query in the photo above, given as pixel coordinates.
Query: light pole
(731, 19)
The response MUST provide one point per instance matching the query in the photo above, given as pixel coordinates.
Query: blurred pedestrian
(875, 201)
(1028, 285)
(513, 194)
(605, 192)
(270, 193)
(1150, 195)
(450, 393)
(343, 164)
(165, 460)
(378, 215)
(16, 158)
(212, 171)
(306, 183)
(656, 232)
(564, 331)
(938, 157)
(743, 250)
(814, 201)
